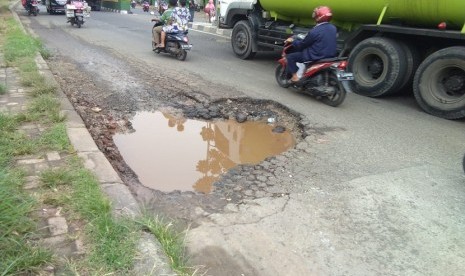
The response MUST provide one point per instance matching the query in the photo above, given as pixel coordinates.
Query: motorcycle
(324, 79)
(145, 6)
(32, 8)
(76, 11)
(176, 44)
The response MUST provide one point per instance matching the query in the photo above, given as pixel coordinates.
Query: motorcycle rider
(320, 42)
(146, 6)
(178, 22)
(161, 21)
(28, 5)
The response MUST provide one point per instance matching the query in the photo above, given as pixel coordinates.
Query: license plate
(186, 47)
(344, 76)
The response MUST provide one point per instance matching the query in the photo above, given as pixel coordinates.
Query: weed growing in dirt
(171, 241)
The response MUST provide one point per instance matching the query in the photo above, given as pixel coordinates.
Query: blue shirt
(320, 42)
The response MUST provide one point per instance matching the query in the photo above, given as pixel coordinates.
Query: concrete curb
(114, 10)
(151, 259)
(196, 25)
(209, 28)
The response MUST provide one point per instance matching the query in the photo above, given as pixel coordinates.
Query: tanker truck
(392, 45)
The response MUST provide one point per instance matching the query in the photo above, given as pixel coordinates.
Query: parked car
(55, 6)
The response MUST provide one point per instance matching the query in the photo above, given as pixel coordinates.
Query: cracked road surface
(373, 187)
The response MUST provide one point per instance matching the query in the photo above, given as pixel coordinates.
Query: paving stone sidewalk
(55, 230)
(57, 233)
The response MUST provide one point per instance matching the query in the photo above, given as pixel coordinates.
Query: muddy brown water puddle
(169, 153)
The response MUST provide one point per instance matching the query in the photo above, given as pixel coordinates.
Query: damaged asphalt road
(360, 194)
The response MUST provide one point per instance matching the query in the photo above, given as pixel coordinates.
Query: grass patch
(45, 108)
(111, 242)
(55, 138)
(2, 89)
(43, 89)
(8, 123)
(16, 144)
(31, 79)
(18, 253)
(171, 240)
(18, 45)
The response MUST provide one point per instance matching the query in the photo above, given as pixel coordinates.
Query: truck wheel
(439, 83)
(378, 67)
(241, 40)
(413, 60)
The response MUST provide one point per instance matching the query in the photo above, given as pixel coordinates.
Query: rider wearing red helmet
(319, 43)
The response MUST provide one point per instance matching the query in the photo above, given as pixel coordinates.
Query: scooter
(32, 8)
(76, 11)
(145, 6)
(323, 79)
(176, 44)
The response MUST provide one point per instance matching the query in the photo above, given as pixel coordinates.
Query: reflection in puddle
(169, 153)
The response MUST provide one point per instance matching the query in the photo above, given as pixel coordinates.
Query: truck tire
(241, 40)
(379, 68)
(439, 83)
(413, 60)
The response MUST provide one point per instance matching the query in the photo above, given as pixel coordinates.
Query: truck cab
(232, 11)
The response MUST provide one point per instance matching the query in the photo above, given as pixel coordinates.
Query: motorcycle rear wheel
(282, 76)
(339, 92)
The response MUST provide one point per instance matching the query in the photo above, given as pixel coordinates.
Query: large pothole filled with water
(172, 153)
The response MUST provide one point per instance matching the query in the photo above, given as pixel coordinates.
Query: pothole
(172, 153)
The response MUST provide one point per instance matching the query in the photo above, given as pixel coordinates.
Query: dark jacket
(320, 42)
